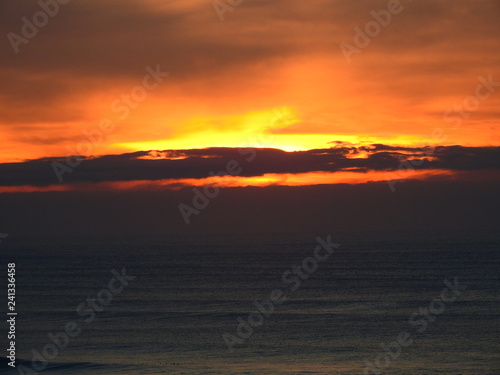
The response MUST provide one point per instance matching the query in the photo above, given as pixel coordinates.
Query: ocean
(255, 304)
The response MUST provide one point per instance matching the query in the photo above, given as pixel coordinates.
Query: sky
(143, 97)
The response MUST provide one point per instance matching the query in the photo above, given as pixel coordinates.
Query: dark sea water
(189, 291)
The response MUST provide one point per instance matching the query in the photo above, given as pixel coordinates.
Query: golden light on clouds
(271, 75)
(268, 179)
(260, 129)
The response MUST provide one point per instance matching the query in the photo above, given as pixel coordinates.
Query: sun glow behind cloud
(270, 76)
(259, 129)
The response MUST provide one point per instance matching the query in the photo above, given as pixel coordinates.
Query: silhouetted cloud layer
(198, 164)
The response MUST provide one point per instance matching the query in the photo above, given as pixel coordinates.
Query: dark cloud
(430, 207)
(200, 163)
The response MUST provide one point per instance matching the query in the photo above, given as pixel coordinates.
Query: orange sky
(269, 75)
(305, 105)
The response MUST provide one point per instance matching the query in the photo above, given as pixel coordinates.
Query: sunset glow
(270, 179)
(250, 186)
(290, 91)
